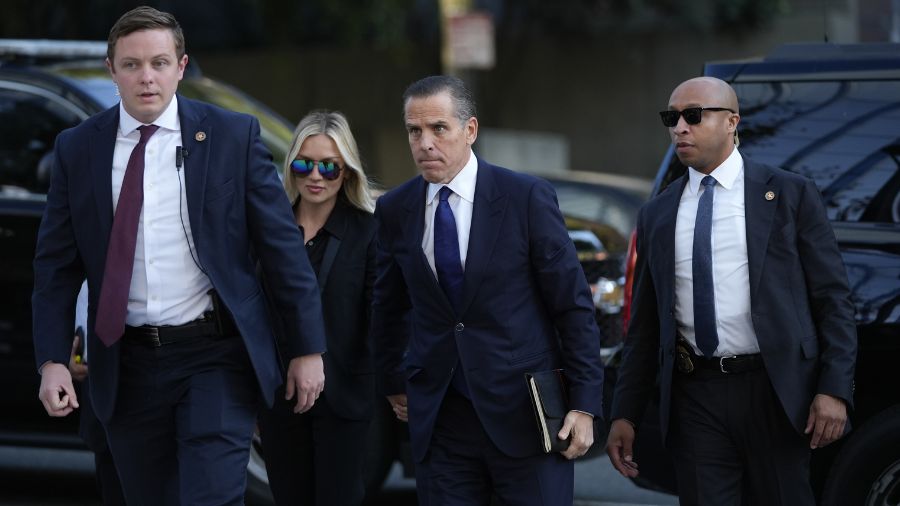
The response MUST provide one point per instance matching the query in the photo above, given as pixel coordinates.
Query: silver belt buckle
(722, 363)
(154, 331)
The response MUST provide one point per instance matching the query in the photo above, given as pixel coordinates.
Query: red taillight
(630, 261)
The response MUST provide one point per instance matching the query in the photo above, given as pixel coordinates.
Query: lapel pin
(200, 136)
(770, 195)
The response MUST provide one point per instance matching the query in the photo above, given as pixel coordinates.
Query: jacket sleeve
(567, 297)
(390, 327)
(58, 270)
(276, 240)
(637, 373)
(829, 296)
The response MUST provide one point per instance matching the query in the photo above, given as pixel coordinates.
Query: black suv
(832, 114)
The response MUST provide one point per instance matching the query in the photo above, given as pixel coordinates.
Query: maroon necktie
(113, 303)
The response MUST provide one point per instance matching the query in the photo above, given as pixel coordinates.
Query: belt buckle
(154, 337)
(683, 359)
(722, 363)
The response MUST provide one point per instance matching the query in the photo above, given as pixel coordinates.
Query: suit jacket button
(460, 327)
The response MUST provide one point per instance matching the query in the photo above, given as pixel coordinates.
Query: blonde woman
(316, 458)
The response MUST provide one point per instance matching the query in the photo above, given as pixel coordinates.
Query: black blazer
(346, 276)
(799, 297)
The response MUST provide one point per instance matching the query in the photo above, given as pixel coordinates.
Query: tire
(258, 492)
(867, 469)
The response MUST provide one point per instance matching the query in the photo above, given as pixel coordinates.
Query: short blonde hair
(356, 188)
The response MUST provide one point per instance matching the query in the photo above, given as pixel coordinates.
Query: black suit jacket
(345, 277)
(799, 297)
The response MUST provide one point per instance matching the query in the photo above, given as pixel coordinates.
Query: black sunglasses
(328, 170)
(692, 115)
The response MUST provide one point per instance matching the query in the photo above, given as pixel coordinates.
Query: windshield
(844, 135)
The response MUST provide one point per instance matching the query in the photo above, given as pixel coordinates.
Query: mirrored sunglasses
(328, 170)
(692, 115)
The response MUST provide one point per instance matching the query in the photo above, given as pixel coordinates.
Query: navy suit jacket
(237, 208)
(526, 307)
(799, 298)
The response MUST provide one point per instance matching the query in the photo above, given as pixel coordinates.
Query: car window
(18, 234)
(29, 122)
(841, 134)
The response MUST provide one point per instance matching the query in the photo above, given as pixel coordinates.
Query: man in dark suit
(478, 283)
(741, 306)
(180, 344)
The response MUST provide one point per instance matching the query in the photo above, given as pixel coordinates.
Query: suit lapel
(196, 137)
(102, 147)
(415, 222)
(664, 237)
(337, 228)
(487, 216)
(760, 211)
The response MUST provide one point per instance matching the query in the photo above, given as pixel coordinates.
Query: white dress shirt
(731, 275)
(461, 201)
(166, 287)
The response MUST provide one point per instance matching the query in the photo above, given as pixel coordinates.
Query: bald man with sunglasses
(741, 307)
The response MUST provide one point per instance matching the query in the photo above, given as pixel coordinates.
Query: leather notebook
(549, 398)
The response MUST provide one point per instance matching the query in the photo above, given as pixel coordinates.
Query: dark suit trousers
(464, 468)
(733, 443)
(316, 458)
(91, 431)
(184, 416)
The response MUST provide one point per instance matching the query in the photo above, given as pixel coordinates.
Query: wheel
(867, 469)
(258, 492)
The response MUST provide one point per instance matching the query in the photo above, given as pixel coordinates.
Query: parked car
(48, 86)
(600, 212)
(831, 113)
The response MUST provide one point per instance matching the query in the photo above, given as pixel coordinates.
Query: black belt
(171, 334)
(687, 362)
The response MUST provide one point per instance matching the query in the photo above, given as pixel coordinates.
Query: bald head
(717, 92)
(710, 139)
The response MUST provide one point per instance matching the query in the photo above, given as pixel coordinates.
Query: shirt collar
(725, 174)
(462, 184)
(168, 119)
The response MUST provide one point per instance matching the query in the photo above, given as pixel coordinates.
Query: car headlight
(608, 295)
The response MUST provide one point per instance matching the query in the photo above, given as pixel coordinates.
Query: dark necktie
(704, 292)
(446, 250)
(449, 269)
(113, 303)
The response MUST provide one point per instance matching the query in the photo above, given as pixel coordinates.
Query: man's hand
(581, 428)
(77, 368)
(57, 393)
(827, 418)
(398, 403)
(618, 447)
(306, 378)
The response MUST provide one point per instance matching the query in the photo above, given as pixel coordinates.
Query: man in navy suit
(478, 284)
(182, 356)
(741, 307)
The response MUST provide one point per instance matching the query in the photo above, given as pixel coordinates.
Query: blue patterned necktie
(446, 250)
(449, 269)
(704, 291)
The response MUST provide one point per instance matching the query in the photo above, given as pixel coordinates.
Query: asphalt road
(31, 477)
